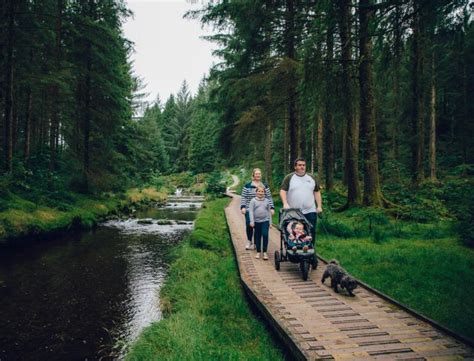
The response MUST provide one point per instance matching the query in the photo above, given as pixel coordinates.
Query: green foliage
(206, 314)
(175, 130)
(215, 183)
(459, 198)
(204, 131)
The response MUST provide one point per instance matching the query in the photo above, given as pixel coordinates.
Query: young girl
(260, 214)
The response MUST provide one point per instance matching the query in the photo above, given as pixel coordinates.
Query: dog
(339, 276)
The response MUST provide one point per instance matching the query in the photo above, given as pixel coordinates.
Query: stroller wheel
(314, 262)
(304, 265)
(277, 260)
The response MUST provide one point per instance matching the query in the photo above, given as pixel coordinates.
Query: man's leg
(312, 217)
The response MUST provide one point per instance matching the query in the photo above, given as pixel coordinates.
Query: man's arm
(319, 201)
(283, 198)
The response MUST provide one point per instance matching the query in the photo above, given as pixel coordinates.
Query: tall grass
(206, 314)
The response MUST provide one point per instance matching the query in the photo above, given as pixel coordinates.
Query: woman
(249, 192)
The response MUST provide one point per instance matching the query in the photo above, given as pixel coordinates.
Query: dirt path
(235, 180)
(319, 324)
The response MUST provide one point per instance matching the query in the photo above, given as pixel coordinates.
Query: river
(88, 295)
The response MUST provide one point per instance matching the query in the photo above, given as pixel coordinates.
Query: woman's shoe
(265, 256)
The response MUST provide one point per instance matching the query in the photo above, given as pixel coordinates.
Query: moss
(23, 218)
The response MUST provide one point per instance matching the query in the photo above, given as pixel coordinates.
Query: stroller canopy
(292, 214)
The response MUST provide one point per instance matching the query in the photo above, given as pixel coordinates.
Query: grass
(206, 314)
(20, 217)
(431, 275)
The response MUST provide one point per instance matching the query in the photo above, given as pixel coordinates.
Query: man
(301, 190)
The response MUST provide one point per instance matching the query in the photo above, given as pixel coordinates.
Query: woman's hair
(254, 170)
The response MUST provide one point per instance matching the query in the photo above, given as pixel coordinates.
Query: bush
(465, 225)
(215, 184)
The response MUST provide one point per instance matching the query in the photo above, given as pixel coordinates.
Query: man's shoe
(249, 245)
(258, 255)
(265, 256)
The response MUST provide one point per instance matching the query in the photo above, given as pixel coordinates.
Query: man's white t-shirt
(300, 191)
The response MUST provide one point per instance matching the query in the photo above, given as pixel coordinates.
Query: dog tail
(334, 261)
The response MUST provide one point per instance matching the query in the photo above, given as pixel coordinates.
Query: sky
(168, 48)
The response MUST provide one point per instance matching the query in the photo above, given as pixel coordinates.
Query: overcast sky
(168, 48)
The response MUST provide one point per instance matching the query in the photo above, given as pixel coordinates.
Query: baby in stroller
(297, 237)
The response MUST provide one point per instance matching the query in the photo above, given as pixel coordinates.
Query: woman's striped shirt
(249, 191)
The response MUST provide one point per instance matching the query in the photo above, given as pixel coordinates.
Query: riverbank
(21, 217)
(206, 313)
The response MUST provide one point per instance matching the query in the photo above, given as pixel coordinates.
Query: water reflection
(80, 296)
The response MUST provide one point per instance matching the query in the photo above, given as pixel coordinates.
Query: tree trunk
(352, 158)
(395, 129)
(295, 144)
(28, 126)
(8, 106)
(286, 147)
(372, 190)
(330, 128)
(55, 118)
(268, 153)
(320, 146)
(433, 122)
(313, 149)
(87, 118)
(417, 117)
(465, 118)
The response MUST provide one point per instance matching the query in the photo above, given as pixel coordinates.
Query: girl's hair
(260, 187)
(254, 170)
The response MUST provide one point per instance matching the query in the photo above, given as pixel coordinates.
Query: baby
(297, 236)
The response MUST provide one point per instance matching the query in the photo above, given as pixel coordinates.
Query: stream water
(87, 295)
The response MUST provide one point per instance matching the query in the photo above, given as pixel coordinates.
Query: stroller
(305, 259)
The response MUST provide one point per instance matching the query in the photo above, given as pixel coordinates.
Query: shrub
(215, 184)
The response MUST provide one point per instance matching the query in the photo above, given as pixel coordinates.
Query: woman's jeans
(261, 233)
(248, 229)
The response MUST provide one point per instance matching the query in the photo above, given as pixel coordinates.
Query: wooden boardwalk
(318, 324)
